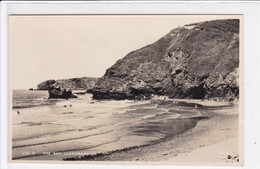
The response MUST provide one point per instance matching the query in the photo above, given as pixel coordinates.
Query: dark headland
(196, 61)
(83, 83)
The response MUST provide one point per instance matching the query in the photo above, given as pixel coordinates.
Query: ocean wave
(98, 156)
(161, 115)
(68, 150)
(61, 140)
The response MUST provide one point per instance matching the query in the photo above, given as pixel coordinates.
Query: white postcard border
(250, 11)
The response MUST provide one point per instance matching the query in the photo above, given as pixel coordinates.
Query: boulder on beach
(59, 92)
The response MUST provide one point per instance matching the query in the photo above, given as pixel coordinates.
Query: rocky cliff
(197, 61)
(83, 83)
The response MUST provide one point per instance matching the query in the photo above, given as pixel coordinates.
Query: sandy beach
(214, 140)
(160, 130)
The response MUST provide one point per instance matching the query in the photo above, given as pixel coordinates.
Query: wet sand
(74, 128)
(207, 132)
(212, 140)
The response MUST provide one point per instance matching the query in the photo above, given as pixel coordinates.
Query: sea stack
(56, 91)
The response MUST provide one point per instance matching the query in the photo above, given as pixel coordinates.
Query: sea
(58, 129)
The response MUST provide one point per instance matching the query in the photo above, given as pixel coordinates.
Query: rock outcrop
(83, 83)
(56, 91)
(197, 61)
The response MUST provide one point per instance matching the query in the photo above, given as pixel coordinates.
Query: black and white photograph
(126, 88)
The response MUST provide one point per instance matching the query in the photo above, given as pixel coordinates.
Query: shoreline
(220, 130)
(219, 126)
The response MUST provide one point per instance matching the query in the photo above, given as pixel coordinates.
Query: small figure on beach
(18, 112)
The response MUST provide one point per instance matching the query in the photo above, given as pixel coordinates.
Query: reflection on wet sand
(87, 128)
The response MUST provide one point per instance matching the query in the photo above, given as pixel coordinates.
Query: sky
(62, 46)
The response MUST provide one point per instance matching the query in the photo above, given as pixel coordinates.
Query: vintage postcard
(132, 88)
